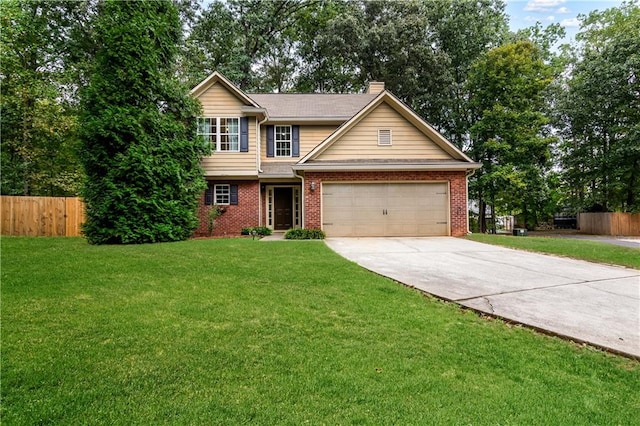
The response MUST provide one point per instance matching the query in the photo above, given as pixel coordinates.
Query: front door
(283, 202)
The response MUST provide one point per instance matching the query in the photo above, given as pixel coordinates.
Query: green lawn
(238, 331)
(592, 251)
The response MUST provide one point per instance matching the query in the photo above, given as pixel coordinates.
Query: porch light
(312, 185)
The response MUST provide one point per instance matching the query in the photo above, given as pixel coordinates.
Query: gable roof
(313, 106)
(216, 77)
(408, 114)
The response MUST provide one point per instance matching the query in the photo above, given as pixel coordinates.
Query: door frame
(296, 204)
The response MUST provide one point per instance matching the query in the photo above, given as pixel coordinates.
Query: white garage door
(385, 209)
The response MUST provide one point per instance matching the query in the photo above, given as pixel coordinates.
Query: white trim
(269, 210)
(302, 198)
(235, 174)
(215, 194)
(328, 167)
(218, 134)
(275, 140)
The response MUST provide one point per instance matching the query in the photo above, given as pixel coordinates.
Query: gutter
(259, 164)
(383, 167)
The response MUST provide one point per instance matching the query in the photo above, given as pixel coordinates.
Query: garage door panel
(385, 209)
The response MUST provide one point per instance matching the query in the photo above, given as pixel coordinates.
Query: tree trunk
(482, 215)
(631, 194)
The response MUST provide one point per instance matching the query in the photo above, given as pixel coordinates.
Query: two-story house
(350, 164)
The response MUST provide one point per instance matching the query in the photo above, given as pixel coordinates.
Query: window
(384, 137)
(219, 133)
(283, 141)
(222, 194)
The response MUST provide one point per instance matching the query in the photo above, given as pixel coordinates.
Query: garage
(385, 209)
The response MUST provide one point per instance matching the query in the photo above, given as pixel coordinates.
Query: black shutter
(233, 195)
(244, 134)
(295, 141)
(208, 195)
(270, 138)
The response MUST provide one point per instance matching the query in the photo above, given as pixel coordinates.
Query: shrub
(262, 231)
(305, 234)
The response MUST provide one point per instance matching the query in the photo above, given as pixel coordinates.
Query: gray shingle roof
(277, 170)
(312, 106)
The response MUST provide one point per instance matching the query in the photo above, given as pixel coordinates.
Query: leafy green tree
(508, 86)
(38, 121)
(250, 41)
(599, 114)
(463, 31)
(139, 144)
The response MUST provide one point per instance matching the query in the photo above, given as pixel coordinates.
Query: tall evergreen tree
(138, 129)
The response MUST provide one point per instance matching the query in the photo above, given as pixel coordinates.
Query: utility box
(520, 232)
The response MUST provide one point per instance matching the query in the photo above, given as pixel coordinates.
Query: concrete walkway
(582, 301)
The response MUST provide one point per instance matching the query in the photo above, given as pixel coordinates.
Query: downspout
(259, 165)
(302, 197)
(466, 182)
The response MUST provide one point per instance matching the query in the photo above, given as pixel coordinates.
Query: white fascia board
(240, 175)
(384, 167)
(308, 120)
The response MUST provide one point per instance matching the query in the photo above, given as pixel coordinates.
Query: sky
(525, 13)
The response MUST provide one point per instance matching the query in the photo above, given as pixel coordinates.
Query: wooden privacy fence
(41, 216)
(610, 223)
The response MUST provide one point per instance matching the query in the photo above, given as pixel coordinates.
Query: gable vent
(384, 137)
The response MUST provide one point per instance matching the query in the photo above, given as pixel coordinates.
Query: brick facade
(247, 212)
(457, 183)
(236, 217)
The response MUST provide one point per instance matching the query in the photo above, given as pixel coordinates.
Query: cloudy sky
(525, 13)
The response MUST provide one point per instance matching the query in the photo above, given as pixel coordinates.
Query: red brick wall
(457, 183)
(231, 222)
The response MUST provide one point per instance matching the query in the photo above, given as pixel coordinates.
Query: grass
(239, 331)
(592, 251)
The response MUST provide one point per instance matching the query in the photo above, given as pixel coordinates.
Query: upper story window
(283, 141)
(220, 133)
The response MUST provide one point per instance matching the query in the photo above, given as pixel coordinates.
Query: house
(350, 164)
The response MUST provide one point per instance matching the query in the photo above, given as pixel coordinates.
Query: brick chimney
(375, 87)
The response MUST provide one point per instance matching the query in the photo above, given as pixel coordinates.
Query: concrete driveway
(583, 301)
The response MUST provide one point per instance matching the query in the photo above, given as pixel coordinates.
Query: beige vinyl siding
(217, 101)
(361, 141)
(310, 137)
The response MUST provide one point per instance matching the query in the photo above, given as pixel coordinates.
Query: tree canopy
(566, 137)
(599, 113)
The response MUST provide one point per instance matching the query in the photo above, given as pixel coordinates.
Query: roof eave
(308, 120)
(328, 167)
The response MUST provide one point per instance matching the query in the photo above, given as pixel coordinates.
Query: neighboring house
(350, 164)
